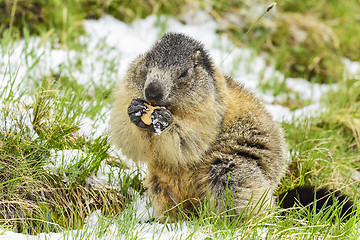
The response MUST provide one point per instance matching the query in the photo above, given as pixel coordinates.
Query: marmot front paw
(161, 119)
(143, 115)
(136, 109)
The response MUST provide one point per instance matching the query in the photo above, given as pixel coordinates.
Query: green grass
(342, 17)
(35, 200)
(335, 133)
(324, 149)
(305, 39)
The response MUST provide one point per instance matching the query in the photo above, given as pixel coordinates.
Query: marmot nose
(154, 92)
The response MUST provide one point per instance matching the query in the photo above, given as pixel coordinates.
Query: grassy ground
(324, 149)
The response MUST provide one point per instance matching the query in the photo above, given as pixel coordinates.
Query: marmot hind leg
(172, 195)
(238, 188)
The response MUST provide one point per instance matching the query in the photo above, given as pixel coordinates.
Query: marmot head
(176, 70)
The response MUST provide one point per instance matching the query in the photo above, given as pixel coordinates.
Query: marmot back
(208, 136)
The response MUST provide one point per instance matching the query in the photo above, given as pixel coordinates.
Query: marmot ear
(196, 57)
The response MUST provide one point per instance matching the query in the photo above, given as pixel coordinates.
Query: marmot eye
(183, 74)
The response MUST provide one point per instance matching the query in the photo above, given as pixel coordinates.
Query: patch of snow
(93, 128)
(64, 159)
(143, 209)
(308, 90)
(14, 114)
(352, 69)
(284, 114)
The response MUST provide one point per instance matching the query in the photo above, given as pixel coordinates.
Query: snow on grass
(110, 45)
(13, 114)
(64, 159)
(352, 69)
(96, 222)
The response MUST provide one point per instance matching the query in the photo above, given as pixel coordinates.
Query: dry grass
(303, 45)
(51, 205)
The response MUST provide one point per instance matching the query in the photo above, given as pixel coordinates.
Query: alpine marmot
(209, 141)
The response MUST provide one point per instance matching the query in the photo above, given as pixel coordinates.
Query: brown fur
(221, 140)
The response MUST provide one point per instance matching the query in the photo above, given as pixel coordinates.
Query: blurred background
(307, 39)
